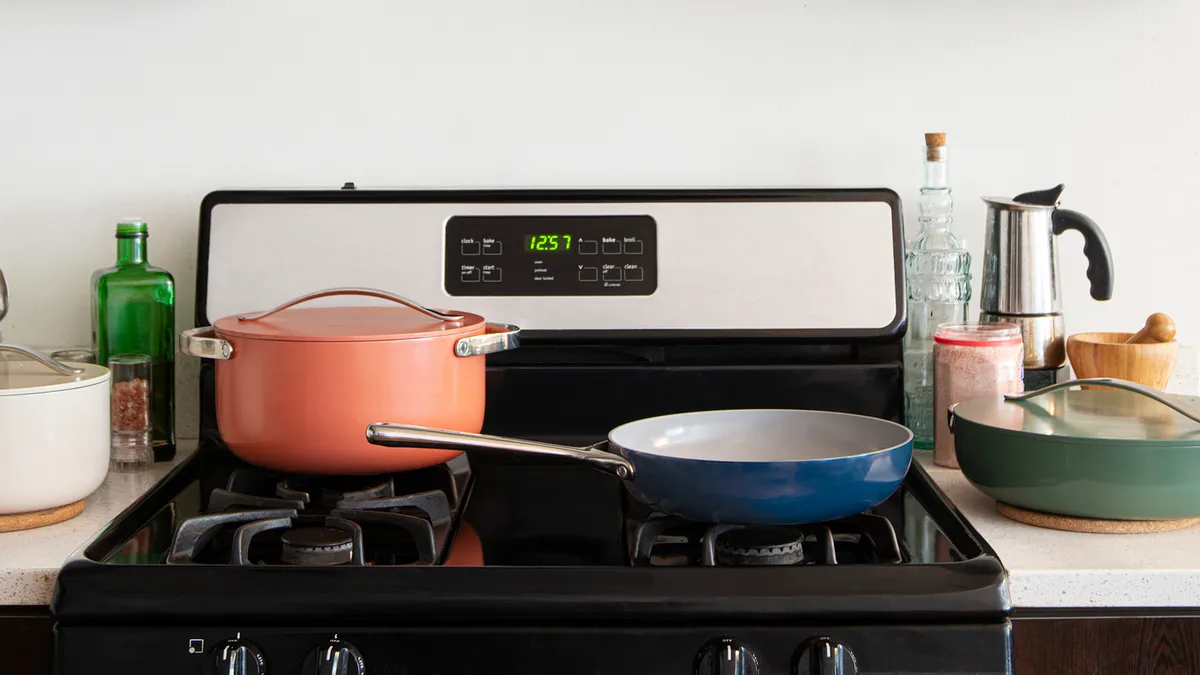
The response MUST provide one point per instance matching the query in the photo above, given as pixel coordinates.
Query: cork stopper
(935, 145)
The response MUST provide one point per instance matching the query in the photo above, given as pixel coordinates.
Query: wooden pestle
(1159, 328)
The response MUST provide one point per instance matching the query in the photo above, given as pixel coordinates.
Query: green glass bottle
(133, 312)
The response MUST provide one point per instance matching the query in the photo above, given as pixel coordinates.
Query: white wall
(141, 107)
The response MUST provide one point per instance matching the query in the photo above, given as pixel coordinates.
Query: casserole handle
(1151, 392)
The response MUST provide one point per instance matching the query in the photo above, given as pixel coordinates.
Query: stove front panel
(641, 264)
(559, 649)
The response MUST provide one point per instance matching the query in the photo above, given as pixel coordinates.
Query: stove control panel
(539, 646)
(551, 255)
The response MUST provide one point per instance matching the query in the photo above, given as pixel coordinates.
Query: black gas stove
(495, 564)
(487, 563)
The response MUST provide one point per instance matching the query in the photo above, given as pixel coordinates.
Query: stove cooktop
(495, 547)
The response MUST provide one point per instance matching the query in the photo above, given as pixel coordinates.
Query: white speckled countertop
(1048, 568)
(30, 560)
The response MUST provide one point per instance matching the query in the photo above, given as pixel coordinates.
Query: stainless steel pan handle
(406, 436)
(1135, 387)
(52, 364)
(202, 342)
(369, 292)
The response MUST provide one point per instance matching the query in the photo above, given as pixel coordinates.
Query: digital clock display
(548, 243)
(531, 256)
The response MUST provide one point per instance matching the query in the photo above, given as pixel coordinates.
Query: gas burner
(329, 491)
(316, 546)
(760, 546)
(260, 518)
(669, 541)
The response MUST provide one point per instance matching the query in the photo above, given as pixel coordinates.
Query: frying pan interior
(764, 466)
(759, 435)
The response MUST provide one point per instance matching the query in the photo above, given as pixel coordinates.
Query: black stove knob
(825, 656)
(726, 656)
(336, 657)
(240, 657)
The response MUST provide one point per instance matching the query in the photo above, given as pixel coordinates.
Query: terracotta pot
(297, 388)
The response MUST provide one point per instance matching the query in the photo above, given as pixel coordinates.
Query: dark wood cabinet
(1126, 644)
(26, 640)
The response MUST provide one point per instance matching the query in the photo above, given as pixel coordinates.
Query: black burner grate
(258, 519)
(670, 541)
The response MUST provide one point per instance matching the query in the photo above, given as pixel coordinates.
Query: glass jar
(132, 448)
(972, 360)
(74, 355)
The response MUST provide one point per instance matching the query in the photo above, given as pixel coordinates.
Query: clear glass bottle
(133, 312)
(938, 272)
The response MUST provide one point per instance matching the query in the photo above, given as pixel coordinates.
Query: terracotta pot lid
(346, 324)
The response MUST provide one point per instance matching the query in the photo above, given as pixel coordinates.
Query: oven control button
(825, 656)
(336, 657)
(240, 657)
(726, 656)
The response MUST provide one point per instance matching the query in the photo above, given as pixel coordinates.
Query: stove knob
(824, 656)
(726, 656)
(240, 657)
(336, 657)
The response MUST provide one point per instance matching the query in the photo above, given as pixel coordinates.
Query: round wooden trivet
(1091, 525)
(27, 521)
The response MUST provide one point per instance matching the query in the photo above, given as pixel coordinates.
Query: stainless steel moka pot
(1020, 269)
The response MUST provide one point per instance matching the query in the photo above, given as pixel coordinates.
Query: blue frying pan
(763, 467)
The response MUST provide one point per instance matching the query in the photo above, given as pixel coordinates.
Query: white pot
(54, 432)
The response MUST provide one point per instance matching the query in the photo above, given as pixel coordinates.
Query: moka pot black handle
(1095, 247)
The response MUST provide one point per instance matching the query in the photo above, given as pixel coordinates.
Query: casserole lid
(27, 371)
(348, 324)
(1086, 415)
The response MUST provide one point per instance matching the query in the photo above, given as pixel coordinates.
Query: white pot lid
(20, 375)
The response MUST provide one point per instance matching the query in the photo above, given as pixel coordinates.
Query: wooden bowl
(1108, 355)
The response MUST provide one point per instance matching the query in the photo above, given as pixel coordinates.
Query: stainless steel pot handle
(500, 337)
(406, 436)
(1135, 387)
(57, 366)
(369, 292)
(202, 342)
(950, 417)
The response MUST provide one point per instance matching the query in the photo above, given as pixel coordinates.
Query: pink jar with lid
(971, 360)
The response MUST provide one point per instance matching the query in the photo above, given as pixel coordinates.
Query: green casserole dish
(1130, 453)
